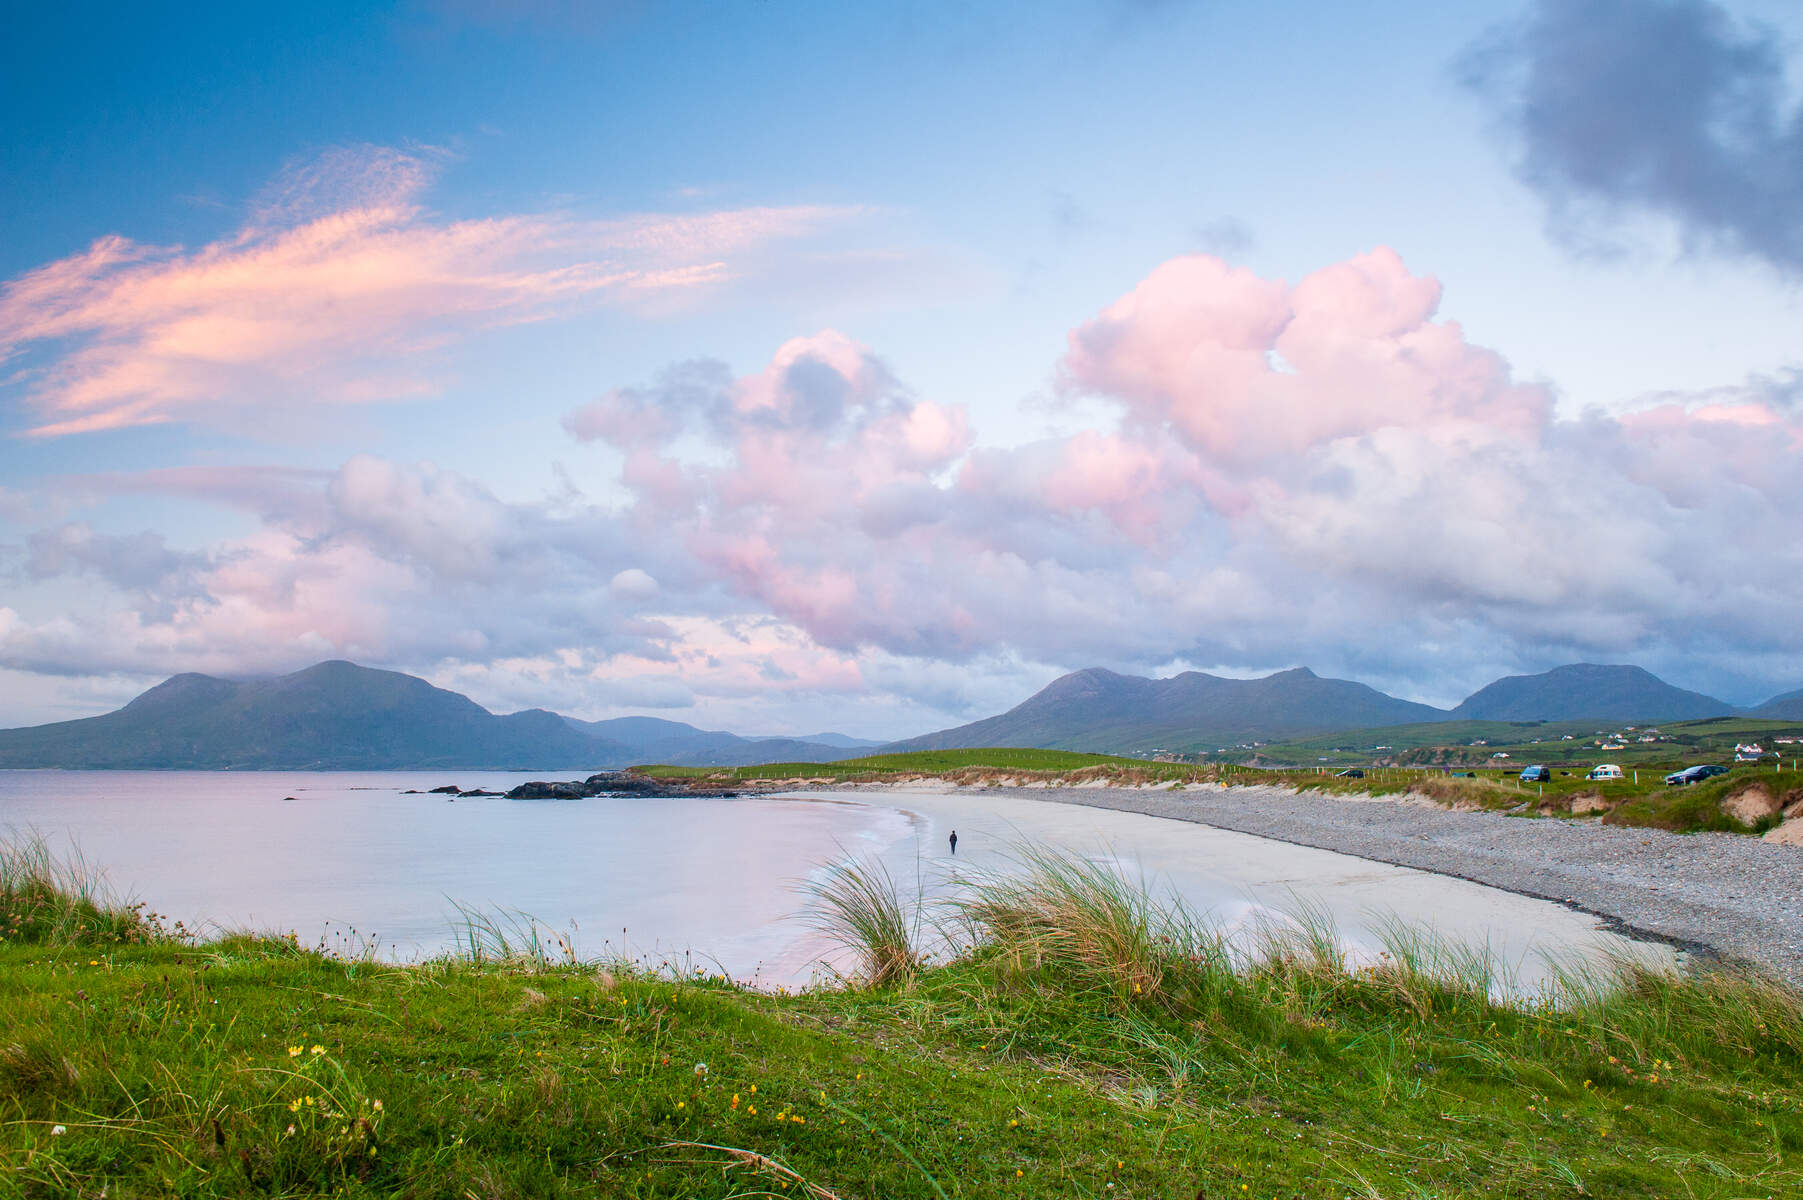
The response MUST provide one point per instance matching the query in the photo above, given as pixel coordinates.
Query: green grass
(58, 899)
(1091, 1043)
(1452, 743)
(916, 762)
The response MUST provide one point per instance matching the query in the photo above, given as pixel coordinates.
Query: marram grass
(858, 905)
(151, 1065)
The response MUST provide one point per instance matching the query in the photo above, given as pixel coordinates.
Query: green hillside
(1475, 743)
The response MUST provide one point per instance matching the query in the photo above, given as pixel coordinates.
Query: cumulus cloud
(1299, 472)
(341, 288)
(1671, 108)
(1323, 472)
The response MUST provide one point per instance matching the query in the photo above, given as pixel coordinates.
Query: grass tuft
(859, 906)
(509, 936)
(1085, 915)
(55, 899)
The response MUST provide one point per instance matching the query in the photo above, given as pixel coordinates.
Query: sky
(784, 367)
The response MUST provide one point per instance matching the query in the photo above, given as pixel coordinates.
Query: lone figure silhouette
(954, 841)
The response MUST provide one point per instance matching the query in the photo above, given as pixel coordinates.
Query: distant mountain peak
(1098, 709)
(339, 715)
(1581, 691)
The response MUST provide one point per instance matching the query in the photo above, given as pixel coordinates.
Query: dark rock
(449, 789)
(478, 792)
(540, 790)
(287, 799)
(625, 783)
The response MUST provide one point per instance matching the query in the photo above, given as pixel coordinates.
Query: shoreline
(1713, 895)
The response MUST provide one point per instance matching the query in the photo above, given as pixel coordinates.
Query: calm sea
(349, 858)
(327, 853)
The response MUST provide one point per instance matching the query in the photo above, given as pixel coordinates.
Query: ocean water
(350, 855)
(348, 858)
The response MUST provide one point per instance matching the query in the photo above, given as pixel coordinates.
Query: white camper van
(1604, 771)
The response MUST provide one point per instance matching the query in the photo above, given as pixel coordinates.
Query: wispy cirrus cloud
(338, 290)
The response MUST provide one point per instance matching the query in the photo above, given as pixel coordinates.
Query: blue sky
(390, 284)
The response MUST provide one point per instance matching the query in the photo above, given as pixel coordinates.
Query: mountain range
(337, 715)
(340, 716)
(1101, 711)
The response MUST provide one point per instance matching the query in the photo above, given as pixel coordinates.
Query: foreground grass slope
(1091, 1044)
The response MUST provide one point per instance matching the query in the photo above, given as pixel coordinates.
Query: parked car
(1605, 771)
(1696, 774)
(1349, 773)
(1536, 774)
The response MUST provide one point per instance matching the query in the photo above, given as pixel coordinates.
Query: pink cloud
(338, 280)
(1246, 369)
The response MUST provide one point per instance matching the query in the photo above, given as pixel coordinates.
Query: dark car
(1349, 773)
(1696, 774)
(1536, 775)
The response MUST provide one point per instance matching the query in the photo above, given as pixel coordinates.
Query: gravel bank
(1714, 893)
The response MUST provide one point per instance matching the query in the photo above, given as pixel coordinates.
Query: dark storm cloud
(1670, 108)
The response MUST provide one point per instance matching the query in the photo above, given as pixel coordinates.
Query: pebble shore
(1727, 896)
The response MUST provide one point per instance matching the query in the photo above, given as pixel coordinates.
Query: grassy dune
(1641, 799)
(1086, 1041)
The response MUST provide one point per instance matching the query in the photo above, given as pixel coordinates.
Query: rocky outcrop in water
(610, 783)
(540, 790)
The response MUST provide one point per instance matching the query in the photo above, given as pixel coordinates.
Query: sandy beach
(1236, 881)
(1721, 895)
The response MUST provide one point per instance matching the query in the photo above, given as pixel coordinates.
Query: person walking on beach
(954, 842)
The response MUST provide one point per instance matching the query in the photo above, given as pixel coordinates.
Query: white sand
(1236, 877)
